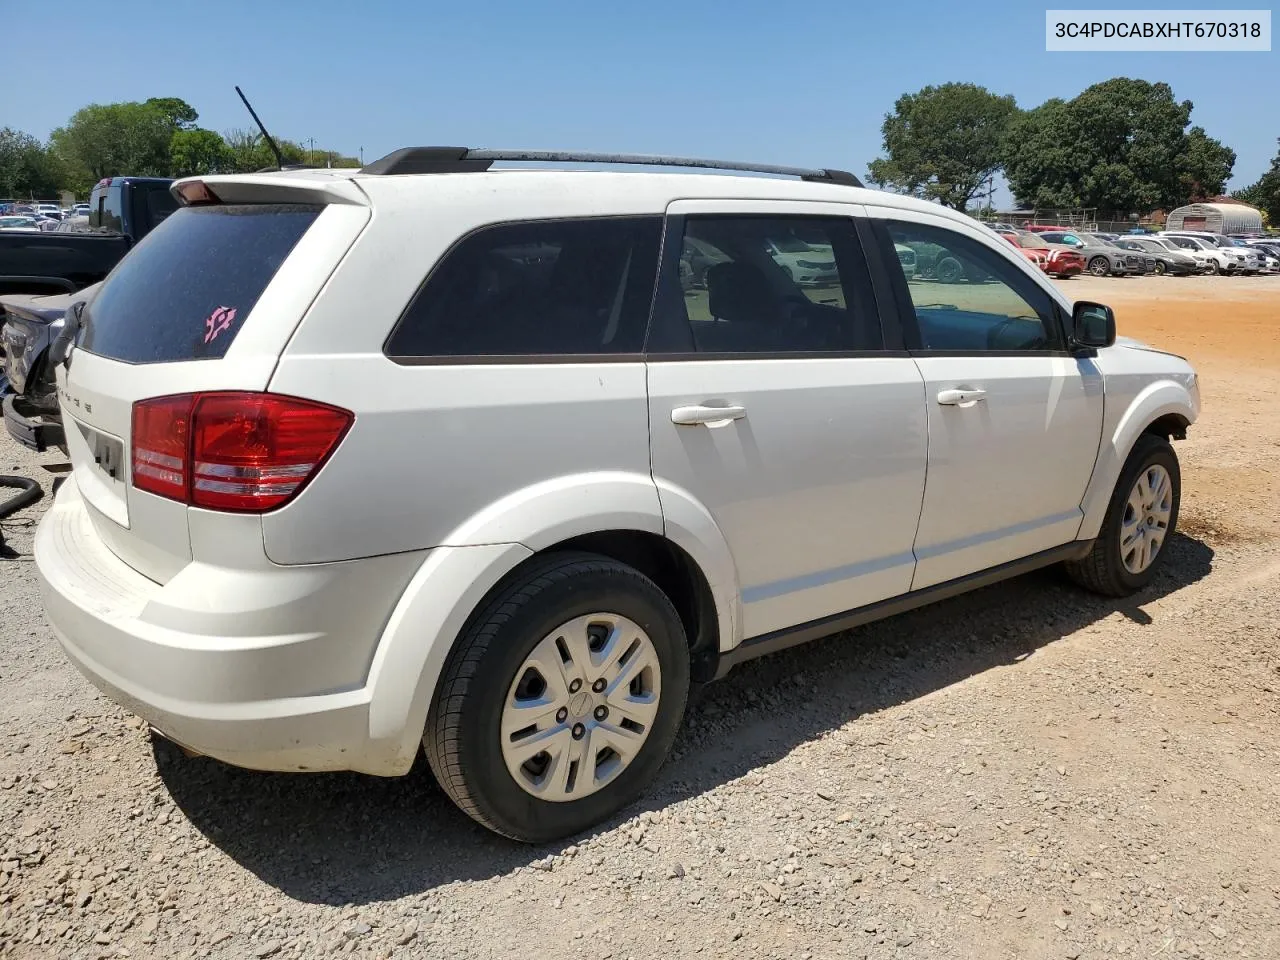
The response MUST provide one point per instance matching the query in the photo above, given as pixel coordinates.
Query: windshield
(1032, 241)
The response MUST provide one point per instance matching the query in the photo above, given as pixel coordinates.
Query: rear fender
(455, 577)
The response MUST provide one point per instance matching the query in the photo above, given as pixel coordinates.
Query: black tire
(949, 270)
(1100, 267)
(462, 734)
(1102, 570)
(1160, 267)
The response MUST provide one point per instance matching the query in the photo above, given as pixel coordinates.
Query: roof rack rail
(466, 160)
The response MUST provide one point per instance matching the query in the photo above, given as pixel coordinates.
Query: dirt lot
(1026, 772)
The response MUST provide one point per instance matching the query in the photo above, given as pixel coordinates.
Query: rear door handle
(690, 416)
(961, 398)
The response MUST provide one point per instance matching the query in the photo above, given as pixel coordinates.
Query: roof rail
(465, 160)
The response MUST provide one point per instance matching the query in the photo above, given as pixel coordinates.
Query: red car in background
(1037, 255)
(1055, 259)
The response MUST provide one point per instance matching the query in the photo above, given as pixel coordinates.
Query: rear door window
(185, 290)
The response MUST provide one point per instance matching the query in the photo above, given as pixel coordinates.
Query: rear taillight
(242, 452)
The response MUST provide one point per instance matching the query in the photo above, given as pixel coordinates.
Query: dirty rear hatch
(206, 302)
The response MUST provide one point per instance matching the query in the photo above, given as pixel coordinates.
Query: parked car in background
(534, 623)
(73, 224)
(29, 328)
(49, 210)
(807, 263)
(1246, 260)
(1268, 258)
(1166, 260)
(1039, 255)
(123, 210)
(19, 222)
(1102, 259)
(907, 259)
(1060, 260)
(1271, 247)
(1219, 259)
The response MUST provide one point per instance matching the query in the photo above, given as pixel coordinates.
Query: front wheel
(561, 700)
(1100, 266)
(1160, 267)
(1141, 517)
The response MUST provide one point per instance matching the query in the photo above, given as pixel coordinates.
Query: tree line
(1121, 146)
(160, 137)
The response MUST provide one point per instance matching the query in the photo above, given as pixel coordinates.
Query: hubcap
(1146, 518)
(581, 707)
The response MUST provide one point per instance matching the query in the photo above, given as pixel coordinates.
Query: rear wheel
(1142, 516)
(562, 699)
(949, 270)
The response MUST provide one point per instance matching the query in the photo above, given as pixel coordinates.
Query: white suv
(1225, 257)
(433, 454)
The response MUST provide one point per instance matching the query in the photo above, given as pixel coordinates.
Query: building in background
(1222, 215)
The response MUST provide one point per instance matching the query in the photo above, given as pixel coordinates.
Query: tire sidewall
(1148, 451)
(619, 590)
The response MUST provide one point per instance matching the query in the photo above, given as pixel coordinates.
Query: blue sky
(794, 83)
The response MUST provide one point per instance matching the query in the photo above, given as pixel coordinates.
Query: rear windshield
(184, 291)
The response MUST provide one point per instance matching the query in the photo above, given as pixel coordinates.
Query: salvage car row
(1063, 253)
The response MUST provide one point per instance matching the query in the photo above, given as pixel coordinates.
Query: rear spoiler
(286, 187)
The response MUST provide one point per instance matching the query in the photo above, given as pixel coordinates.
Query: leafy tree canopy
(1121, 145)
(943, 142)
(1264, 193)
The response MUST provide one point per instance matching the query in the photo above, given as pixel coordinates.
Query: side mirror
(1093, 325)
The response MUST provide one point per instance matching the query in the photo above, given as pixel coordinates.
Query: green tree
(249, 151)
(26, 167)
(1264, 193)
(197, 151)
(178, 113)
(943, 142)
(111, 140)
(1203, 166)
(1120, 146)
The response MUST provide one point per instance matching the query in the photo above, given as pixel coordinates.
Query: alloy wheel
(1147, 513)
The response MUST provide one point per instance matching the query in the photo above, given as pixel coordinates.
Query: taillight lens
(242, 452)
(161, 443)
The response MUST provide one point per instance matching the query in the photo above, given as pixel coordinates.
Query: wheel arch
(498, 543)
(1165, 408)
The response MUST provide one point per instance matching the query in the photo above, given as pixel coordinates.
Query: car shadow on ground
(348, 839)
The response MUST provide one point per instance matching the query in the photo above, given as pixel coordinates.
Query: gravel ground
(1025, 772)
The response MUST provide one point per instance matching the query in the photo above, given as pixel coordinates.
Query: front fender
(1157, 400)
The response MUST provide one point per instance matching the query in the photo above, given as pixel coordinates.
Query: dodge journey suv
(446, 457)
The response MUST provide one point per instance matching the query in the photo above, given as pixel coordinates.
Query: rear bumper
(281, 686)
(20, 419)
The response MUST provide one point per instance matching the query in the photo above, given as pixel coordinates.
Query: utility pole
(311, 144)
(362, 156)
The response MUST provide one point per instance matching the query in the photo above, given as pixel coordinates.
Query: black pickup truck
(122, 210)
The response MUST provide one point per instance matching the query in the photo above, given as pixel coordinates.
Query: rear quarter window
(184, 291)
(553, 288)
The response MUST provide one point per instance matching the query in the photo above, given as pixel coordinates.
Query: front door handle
(961, 397)
(690, 416)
